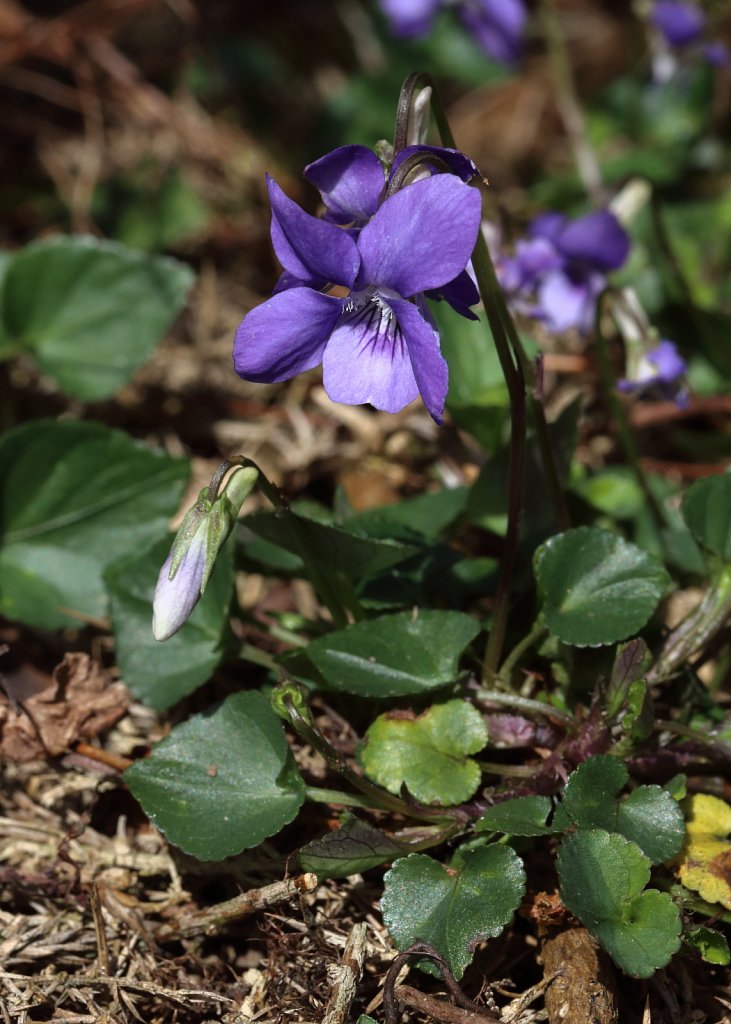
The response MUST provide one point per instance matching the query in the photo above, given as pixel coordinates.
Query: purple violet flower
(717, 54)
(661, 369)
(680, 23)
(352, 183)
(378, 344)
(497, 25)
(681, 26)
(558, 272)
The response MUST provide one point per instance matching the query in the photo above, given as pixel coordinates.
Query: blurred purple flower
(662, 369)
(717, 54)
(378, 344)
(558, 272)
(497, 25)
(680, 23)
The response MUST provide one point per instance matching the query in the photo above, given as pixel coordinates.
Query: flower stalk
(517, 371)
(568, 103)
(619, 415)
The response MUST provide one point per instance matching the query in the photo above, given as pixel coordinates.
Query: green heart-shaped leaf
(394, 655)
(649, 816)
(76, 497)
(597, 588)
(706, 510)
(428, 753)
(449, 908)
(90, 311)
(222, 781)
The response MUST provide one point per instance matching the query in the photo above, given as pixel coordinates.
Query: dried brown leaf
(79, 702)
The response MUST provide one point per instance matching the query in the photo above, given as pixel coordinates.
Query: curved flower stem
(696, 629)
(536, 632)
(290, 701)
(531, 707)
(333, 596)
(516, 368)
(509, 771)
(334, 796)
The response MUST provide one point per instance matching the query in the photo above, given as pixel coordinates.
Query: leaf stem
(248, 652)
(335, 796)
(537, 630)
(517, 771)
(291, 701)
(512, 700)
(697, 629)
(567, 101)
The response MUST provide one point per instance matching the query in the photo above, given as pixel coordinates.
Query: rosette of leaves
(605, 859)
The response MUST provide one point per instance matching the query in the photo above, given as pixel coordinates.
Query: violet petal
(460, 293)
(547, 225)
(367, 360)
(285, 335)
(597, 239)
(535, 257)
(680, 23)
(566, 301)
(350, 181)
(410, 18)
(176, 598)
(307, 247)
(428, 364)
(458, 163)
(668, 361)
(497, 26)
(422, 237)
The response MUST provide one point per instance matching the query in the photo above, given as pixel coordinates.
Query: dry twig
(212, 918)
(348, 975)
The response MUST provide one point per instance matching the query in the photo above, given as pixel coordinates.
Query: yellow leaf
(705, 863)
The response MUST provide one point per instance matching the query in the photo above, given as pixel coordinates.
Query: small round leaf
(597, 587)
(707, 513)
(394, 655)
(428, 753)
(602, 878)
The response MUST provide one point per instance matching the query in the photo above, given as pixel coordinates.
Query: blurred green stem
(619, 416)
(526, 704)
(697, 629)
(536, 632)
(569, 106)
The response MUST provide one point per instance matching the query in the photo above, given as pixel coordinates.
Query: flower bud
(188, 567)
